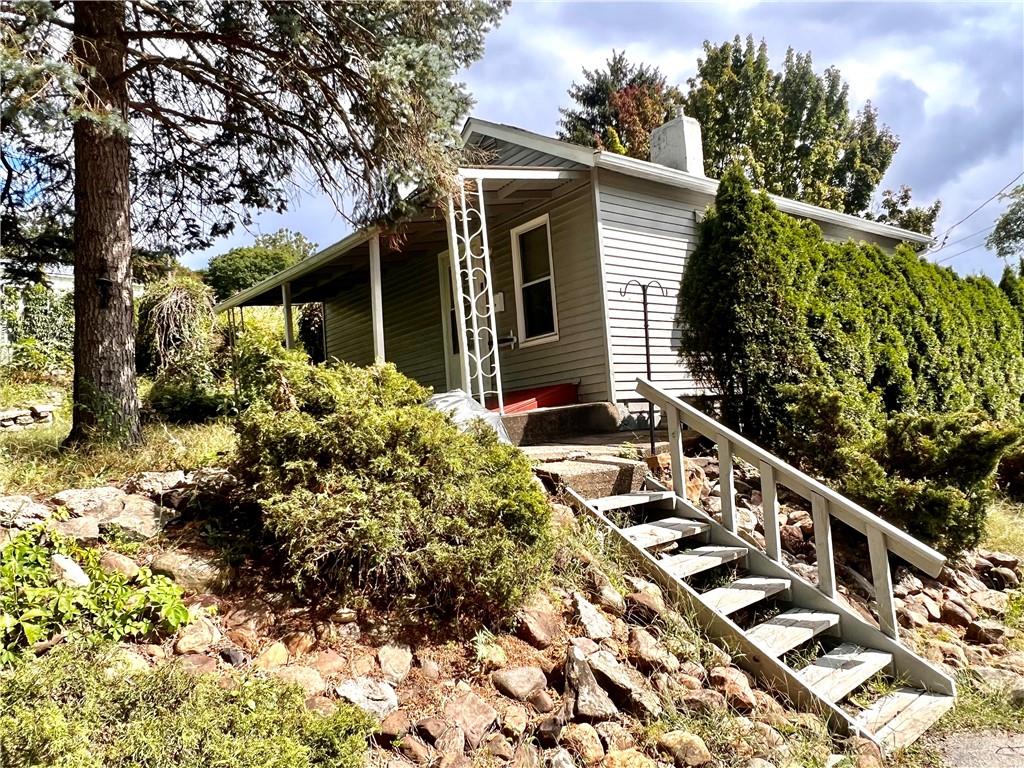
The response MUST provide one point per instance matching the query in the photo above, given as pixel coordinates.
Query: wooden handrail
(899, 542)
(883, 537)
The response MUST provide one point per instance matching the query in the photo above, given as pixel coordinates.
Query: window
(535, 282)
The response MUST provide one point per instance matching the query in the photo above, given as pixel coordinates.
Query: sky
(947, 77)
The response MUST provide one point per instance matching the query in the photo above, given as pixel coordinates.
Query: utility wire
(959, 253)
(965, 237)
(965, 218)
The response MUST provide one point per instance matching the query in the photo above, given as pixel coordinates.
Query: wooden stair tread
(622, 500)
(901, 717)
(743, 593)
(654, 534)
(791, 629)
(843, 669)
(694, 561)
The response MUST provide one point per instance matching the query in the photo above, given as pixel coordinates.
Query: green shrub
(77, 707)
(186, 402)
(840, 356)
(1011, 473)
(311, 331)
(34, 605)
(366, 489)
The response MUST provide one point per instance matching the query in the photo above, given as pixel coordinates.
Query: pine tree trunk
(106, 405)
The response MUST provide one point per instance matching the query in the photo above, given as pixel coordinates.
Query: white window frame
(517, 271)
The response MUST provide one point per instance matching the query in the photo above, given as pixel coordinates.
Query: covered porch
(424, 295)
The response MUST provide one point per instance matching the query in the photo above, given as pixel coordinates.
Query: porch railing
(826, 504)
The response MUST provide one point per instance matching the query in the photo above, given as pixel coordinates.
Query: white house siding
(412, 315)
(579, 354)
(647, 231)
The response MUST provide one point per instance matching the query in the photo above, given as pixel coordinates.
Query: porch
(494, 291)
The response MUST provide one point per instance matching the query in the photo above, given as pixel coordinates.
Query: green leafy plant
(35, 604)
(79, 707)
(365, 488)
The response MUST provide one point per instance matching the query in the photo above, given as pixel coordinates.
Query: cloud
(948, 78)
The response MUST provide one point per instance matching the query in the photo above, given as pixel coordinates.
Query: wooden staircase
(794, 635)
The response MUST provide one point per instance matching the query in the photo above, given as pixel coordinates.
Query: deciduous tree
(156, 124)
(1007, 239)
(244, 267)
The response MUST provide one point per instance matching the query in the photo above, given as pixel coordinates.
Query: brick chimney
(677, 144)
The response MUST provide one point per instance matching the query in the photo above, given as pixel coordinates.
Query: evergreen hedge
(889, 375)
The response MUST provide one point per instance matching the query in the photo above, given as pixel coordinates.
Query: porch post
(376, 300)
(286, 301)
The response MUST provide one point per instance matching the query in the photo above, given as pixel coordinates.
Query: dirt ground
(982, 749)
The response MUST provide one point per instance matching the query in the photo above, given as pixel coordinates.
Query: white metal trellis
(474, 297)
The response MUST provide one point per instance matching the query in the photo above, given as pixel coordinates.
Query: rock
(550, 728)
(609, 598)
(474, 715)
(527, 756)
(704, 701)
(196, 637)
(451, 741)
(792, 539)
(413, 748)
(84, 530)
(542, 702)
(595, 625)
(1016, 695)
(374, 696)
(307, 678)
(67, 571)
(22, 511)
(1007, 577)
(582, 740)
(115, 562)
(993, 680)
(514, 721)
(430, 669)
(498, 746)
(614, 736)
(991, 601)
(490, 654)
(560, 758)
(431, 728)
(592, 702)
(330, 663)
(987, 632)
(646, 605)
(538, 622)
(768, 710)
(234, 656)
(954, 615)
(395, 661)
(687, 749)
(273, 656)
(865, 753)
(733, 684)
(759, 762)
(909, 617)
(198, 663)
(632, 689)
(135, 518)
(648, 654)
(299, 643)
(244, 638)
(83, 501)
(155, 483)
(191, 572)
(519, 683)
(321, 705)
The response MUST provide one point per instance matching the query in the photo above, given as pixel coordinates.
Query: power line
(959, 253)
(965, 218)
(965, 237)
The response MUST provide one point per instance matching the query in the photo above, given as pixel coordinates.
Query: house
(523, 288)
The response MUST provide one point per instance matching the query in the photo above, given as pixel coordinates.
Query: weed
(1004, 528)
(979, 707)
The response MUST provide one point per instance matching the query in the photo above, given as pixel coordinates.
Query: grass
(980, 709)
(1004, 528)
(32, 462)
(16, 393)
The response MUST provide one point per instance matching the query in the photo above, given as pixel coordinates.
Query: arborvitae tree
(164, 123)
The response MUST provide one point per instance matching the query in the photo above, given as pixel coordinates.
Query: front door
(450, 323)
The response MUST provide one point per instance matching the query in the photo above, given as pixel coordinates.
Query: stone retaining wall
(15, 419)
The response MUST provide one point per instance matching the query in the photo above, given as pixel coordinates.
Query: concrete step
(544, 425)
(595, 478)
